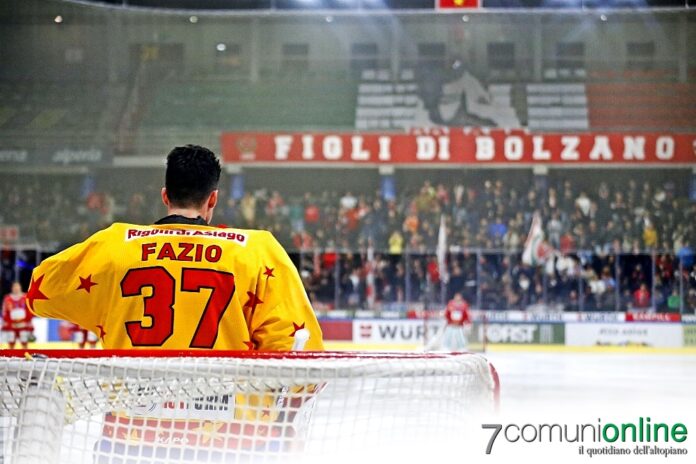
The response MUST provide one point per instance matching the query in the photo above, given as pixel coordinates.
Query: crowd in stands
(620, 245)
(618, 248)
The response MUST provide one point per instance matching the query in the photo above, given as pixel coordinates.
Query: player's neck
(191, 213)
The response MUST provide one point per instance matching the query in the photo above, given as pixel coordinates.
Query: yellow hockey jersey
(178, 286)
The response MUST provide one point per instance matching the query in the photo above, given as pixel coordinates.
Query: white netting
(236, 409)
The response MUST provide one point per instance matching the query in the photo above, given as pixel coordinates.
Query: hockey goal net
(128, 407)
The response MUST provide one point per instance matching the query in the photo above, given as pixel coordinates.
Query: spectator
(230, 213)
(348, 201)
(641, 297)
(311, 213)
(512, 239)
(396, 243)
(567, 243)
(649, 234)
(248, 209)
(583, 204)
(296, 215)
(641, 221)
(496, 230)
(674, 302)
(686, 255)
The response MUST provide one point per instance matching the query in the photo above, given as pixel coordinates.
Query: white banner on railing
(634, 334)
(394, 331)
(514, 315)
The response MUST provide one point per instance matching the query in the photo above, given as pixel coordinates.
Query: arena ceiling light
(374, 4)
(348, 4)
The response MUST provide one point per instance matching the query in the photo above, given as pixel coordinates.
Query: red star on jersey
(102, 332)
(296, 327)
(86, 283)
(34, 292)
(253, 301)
(250, 345)
(269, 272)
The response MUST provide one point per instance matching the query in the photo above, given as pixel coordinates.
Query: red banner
(337, 330)
(449, 4)
(633, 316)
(459, 147)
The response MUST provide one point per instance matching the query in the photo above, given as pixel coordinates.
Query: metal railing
(499, 280)
(488, 279)
(370, 5)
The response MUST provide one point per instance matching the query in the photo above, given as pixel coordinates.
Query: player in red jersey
(83, 337)
(453, 336)
(67, 331)
(16, 318)
(457, 311)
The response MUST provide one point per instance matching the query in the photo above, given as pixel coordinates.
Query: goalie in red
(16, 319)
(458, 323)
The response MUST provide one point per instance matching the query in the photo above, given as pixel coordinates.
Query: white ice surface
(534, 380)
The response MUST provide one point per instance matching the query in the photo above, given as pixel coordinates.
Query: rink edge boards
(509, 348)
(493, 348)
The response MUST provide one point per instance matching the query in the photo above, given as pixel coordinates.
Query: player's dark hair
(193, 172)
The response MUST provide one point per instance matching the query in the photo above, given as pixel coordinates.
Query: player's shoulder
(263, 236)
(256, 239)
(93, 243)
(258, 242)
(108, 234)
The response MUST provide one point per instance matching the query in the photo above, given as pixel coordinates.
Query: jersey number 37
(159, 305)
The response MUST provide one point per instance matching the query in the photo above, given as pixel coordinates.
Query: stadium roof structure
(372, 5)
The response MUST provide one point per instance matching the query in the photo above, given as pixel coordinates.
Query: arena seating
(557, 107)
(41, 106)
(277, 104)
(388, 102)
(642, 106)
(564, 74)
(376, 101)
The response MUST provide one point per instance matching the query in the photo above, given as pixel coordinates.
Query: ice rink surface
(535, 379)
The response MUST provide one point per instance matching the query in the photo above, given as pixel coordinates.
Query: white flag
(370, 278)
(442, 250)
(536, 250)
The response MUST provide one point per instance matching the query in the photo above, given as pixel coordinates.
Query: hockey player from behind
(180, 283)
(458, 323)
(16, 319)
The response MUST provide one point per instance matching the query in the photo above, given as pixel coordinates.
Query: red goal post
(160, 406)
